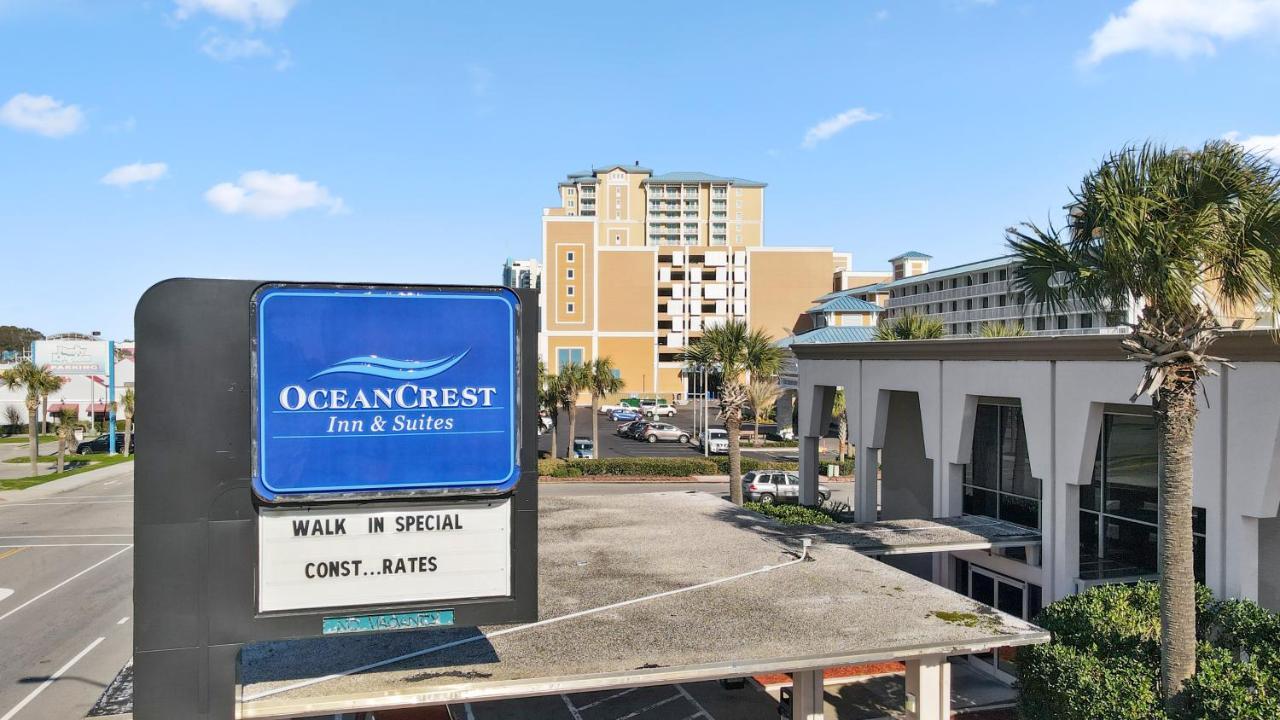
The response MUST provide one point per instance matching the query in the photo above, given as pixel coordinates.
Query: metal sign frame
(196, 514)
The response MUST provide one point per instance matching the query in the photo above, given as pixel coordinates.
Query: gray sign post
(201, 496)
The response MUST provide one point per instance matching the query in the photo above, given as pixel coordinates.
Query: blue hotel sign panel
(384, 391)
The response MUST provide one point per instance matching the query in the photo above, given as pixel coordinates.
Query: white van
(717, 441)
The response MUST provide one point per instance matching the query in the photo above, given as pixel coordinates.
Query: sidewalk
(60, 485)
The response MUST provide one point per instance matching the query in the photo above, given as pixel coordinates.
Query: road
(66, 585)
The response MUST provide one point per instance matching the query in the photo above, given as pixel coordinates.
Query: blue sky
(417, 142)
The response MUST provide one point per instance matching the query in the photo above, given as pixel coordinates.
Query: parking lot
(612, 445)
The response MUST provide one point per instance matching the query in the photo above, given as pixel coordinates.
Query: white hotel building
(1039, 432)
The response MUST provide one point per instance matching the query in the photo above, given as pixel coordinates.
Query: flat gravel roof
(693, 588)
(909, 537)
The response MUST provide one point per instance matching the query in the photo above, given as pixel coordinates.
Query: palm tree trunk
(44, 405)
(844, 436)
(128, 434)
(573, 428)
(1175, 416)
(33, 450)
(595, 424)
(555, 422)
(755, 435)
(62, 457)
(733, 425)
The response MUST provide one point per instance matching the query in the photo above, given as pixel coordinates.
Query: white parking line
(4, 593)
(701, 710)
(64, 582)
(573, 711)
(123, 620)
(50, 680)
(27, 545)
(641, 711)
(54, 504)
(48, 537)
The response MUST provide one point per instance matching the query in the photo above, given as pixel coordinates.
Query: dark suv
(100, 444)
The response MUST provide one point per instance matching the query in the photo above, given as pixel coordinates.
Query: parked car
(625, 414)
(583, 447)
(770, 486)
(653, 432)
(611, 408)
(625, 428)
(657, 408)
(636, 429)
(716, 440)
(101, 444)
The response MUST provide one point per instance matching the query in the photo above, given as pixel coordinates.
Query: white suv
(717, 441)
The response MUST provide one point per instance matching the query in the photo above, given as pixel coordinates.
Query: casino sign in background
(377, 390)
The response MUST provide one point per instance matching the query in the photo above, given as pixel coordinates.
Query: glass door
(1006, 595)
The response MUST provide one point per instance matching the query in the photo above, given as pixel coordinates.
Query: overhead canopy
(638, 590)
(59, 407)
(911, 537)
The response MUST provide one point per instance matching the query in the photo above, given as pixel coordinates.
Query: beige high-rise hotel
(637, 265)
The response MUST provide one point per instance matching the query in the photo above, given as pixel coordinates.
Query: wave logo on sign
(393, 369)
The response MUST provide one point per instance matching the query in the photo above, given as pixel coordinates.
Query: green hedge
(662, 466)
(1105, 657)
(659, 467)
(793, 514)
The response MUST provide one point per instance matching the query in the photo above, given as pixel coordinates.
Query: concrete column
(866, 485)
(814, 405)
(806, 696)
(786, 409)
(929, 688)
(809, 470)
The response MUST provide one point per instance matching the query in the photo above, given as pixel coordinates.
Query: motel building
(1035, 440)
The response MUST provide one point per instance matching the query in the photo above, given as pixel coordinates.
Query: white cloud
(1181, 28)
(832, 126)
(247, 12)
(265, 194)
(881, 15)
(1267, 145)
(127, 175)
(41, 114)
(230, 49)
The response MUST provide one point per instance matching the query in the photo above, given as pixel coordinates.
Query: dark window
(998, 481)
(1086, 320)
(1004, 275)
(986, 278)
(962, 577)
(1119, 533)
(986, 302)
(1040, 323)
(1062, 322)
(968, 280)
(968, 327)
(954, 306)
(1002, 300)
(968, 304)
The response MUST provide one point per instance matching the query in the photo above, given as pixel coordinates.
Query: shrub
(1060, 682)
(793, 514)
(1224, 687)
(1105, 658)
(652, 467)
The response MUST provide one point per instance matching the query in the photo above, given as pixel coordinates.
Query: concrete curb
(54, 487)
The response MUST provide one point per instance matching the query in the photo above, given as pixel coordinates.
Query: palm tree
(737, 351)
(839, 408)
(126, 409)
(50, 384)
(909, 327)
(68, 421)
(1189, 237)
(572, 380)
(35, 378)
(549, 399)
(761, 393)
(1001, 330)
(602, 379)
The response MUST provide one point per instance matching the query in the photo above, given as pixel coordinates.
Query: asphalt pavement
(613, 445)
(66, 586)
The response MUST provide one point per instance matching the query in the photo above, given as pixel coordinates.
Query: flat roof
(912, 537)
(635, 590)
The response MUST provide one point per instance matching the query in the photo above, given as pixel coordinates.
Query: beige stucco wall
(563, 237)
(781, 285)
(633, 356)
(628, 290)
